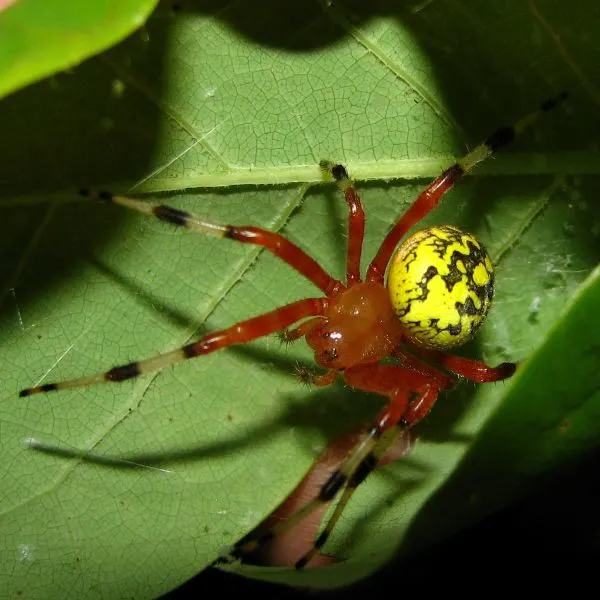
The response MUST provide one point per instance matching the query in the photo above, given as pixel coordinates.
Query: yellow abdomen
(441, 284)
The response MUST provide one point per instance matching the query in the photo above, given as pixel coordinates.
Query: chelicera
(440, 284)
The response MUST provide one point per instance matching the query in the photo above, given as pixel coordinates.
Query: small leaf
(41, 37)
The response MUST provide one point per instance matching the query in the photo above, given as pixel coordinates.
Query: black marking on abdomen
(467, 308)
(453, 277)
(454, 329)
(423, 285)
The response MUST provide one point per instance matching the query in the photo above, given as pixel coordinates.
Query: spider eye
(441, 284)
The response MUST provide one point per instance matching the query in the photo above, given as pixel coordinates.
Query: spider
(391, 340)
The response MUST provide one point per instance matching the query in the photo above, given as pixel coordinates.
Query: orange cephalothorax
(360, 327)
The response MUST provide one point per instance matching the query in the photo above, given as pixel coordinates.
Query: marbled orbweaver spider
(439, 289)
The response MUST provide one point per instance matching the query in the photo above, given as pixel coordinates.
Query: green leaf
(548, 417)
(226, 110)
(41, 37)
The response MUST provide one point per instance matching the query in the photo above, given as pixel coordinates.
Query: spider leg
(241, 333)
(402, 412)
(360, 460)
(432, 194)
(310, 377)
(356, 219)
(416, 364)
(290, 335)
(377, 453)
(400, 417)
(324, 379)
(274, 242)
(475, 370)
(287, 546)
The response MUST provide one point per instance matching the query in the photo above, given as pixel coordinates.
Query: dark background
(548, 541)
